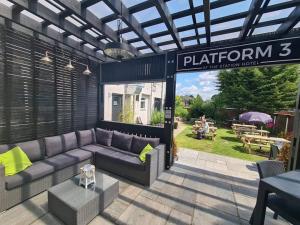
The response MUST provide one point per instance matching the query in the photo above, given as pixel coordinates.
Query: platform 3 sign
(279, 51)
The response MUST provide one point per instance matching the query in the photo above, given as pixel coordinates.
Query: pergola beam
(132, 22)
(88, 3)
(232, 17)
(222, 32)
(31, 24)
(51, 17)
(191, 3)
(253, 11)
(292, 20)
(206, 4)
(88, 17)
(166, 17)
(188, 12)
(257, 19)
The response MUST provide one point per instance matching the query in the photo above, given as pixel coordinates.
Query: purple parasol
(255, 117)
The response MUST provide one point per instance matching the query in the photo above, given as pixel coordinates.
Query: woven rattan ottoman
(74, 204)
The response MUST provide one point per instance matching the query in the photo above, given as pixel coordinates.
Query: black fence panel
(136, 129)
(140, 69)
(37, 99)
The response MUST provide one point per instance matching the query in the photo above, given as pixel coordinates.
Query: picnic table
(250, 140)
(236, 125)
(242, 128)
(259, 132)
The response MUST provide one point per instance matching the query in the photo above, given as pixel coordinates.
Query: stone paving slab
(200, 189)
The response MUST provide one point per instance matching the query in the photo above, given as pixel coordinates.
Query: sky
(194, 83)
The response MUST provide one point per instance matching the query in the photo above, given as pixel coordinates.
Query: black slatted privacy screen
(140, 69)
(38, 100)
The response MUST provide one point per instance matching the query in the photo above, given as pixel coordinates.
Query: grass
(226, 143)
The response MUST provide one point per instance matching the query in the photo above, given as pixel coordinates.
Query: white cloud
(204, 84)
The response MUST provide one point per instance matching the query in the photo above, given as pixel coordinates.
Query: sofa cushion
(35, 150)
(69, 158)
(122, 141)
(104, 137)
(86, 137)
(36, 171)
(69, 141)
(119, 157)
(79, 154)
(54, 145)
(4, 148)
(139, 143)
(104, 150)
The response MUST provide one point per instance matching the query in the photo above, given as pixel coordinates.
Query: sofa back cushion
(4, 148)
(54, 145)
(104, 137)
(35, 150)
(139, 143)
(121, 141)
(69, 141)
(86, 137)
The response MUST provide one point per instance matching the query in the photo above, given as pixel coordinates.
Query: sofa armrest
(2, 176)
(2, 188)
(161, 148)
(151, 164)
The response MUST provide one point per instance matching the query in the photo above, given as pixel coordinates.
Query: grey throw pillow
(139, 143)
(54, 145)
(35, 150)
(121, 141)
(104, 137)
(69, 141)
(86, 137)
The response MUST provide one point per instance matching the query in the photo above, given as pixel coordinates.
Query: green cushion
(145, 151)
(14, 161)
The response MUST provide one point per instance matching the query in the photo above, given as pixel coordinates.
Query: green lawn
(226, 143)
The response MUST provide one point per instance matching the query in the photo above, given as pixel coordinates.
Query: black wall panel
(150, 68)
(38, 100)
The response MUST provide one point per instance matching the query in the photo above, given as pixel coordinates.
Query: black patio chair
(288, 210)
(274, 151)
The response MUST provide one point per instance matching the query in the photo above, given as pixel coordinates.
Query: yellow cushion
(146, 150)
(14, 161)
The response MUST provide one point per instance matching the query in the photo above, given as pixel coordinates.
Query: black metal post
(170, 106)
(100, 95)
(294, 162)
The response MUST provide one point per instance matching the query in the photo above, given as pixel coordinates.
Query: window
(143, 103)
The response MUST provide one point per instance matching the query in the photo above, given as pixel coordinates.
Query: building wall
(149, 91)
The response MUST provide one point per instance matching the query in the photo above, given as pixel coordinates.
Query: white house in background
(138, 100)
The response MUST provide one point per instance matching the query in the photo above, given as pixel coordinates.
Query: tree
(180, 111)
(196, 107)
(265, 89)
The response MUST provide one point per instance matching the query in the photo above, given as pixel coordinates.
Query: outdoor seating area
(204, 129)
(96, 127)
(200, 188)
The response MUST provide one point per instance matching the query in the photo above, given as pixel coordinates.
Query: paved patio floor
(201, 188)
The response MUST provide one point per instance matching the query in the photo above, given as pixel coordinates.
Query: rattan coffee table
(73, 204)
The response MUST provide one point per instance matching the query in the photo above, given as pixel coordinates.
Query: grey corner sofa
(58, 158)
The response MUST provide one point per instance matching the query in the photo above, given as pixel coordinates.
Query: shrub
(157, 118)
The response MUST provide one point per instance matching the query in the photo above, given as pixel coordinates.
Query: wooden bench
(211, 135)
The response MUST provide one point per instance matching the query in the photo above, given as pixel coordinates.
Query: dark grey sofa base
(10, 198)
(152, 168)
